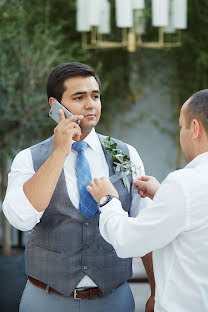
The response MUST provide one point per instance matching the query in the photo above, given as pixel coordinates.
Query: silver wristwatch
(105, 199)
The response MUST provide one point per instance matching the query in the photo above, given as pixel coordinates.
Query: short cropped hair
(198, 108)
(56, 79)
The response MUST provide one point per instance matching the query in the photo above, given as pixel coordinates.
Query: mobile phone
(54, 112)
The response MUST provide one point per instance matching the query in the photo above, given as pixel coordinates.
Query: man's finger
(76, 137)
(61, 114)
(92, 183)
(144, 178)
(141, 193)
(139, 183)
(96, 180)
(89, 189)
(103, 178)
(74, 118)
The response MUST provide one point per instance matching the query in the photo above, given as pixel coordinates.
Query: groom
(70, 267)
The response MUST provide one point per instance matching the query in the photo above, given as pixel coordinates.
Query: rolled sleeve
(16, 207)
(19, 211)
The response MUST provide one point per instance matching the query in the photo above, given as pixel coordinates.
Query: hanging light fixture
(93, 17)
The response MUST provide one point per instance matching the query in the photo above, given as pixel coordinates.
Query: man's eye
(96, 97)
(78, 98)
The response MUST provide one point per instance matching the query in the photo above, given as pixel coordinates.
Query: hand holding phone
(67, 129)
(54, 112)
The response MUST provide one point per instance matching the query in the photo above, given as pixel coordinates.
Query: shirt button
(86, 223)
(85, 267)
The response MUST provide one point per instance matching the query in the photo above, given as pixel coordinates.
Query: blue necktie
(87, 204)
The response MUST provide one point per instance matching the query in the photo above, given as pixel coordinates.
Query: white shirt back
(181, 267)
(175, 227)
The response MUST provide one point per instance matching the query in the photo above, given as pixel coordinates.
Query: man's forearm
(148, 265)
(39, 189)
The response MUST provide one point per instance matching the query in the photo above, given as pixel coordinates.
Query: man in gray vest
(70, 267)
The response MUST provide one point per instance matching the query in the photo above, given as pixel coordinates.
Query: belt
(81, 293)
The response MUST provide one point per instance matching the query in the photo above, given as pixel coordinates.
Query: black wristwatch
(105, 199)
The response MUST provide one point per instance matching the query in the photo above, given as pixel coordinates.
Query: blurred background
(150, 55)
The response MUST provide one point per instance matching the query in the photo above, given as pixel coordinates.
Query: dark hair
(198, 108)
(56, 79)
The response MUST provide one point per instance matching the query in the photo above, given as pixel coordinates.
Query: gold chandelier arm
(161, 35)
(94, 35)
(84, 40)
(124, 37)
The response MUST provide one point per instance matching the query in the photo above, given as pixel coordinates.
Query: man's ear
(50, 101)
(196, 128)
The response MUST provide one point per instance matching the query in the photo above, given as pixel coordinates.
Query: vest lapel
(108, 156)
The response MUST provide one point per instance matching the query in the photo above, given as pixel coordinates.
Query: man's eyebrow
(78, 93)
(83, 92)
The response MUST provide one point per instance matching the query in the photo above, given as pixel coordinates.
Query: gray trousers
(35, 299)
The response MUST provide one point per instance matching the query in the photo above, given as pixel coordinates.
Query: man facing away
(70, 267)
(175, 225)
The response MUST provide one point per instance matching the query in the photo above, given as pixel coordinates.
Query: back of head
(56, 79)
(198, 108)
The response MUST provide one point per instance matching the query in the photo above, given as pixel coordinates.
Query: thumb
(140, 183)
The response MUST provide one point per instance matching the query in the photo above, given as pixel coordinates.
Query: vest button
(99, 247)
(85, 246)
(86, 223)
(85, 267)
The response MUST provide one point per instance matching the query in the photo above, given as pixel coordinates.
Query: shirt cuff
(106, 224)
(112, 207)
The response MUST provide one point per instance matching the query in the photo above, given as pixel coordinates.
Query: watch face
(103, 200)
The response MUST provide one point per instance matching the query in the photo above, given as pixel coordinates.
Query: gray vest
(66, 245)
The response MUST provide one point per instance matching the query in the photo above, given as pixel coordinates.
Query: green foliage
(117, 154)
(121, 162)
(37, 35)
(31, 44)
(191, 60)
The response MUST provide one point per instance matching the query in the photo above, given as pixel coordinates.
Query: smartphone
(54, 112)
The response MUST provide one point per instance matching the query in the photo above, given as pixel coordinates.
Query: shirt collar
(198, 160)
(92, 139)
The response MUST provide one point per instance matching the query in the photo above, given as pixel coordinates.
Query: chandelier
(94, 22)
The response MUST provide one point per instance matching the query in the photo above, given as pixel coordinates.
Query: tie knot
(80, 146)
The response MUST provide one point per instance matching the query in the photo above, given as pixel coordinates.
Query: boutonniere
(122, 164)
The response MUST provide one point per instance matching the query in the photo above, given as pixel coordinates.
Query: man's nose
(89, 103)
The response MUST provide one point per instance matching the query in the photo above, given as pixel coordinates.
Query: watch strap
(109, 198)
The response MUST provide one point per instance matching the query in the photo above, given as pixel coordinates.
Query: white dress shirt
(175, 227)
(23, 216)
